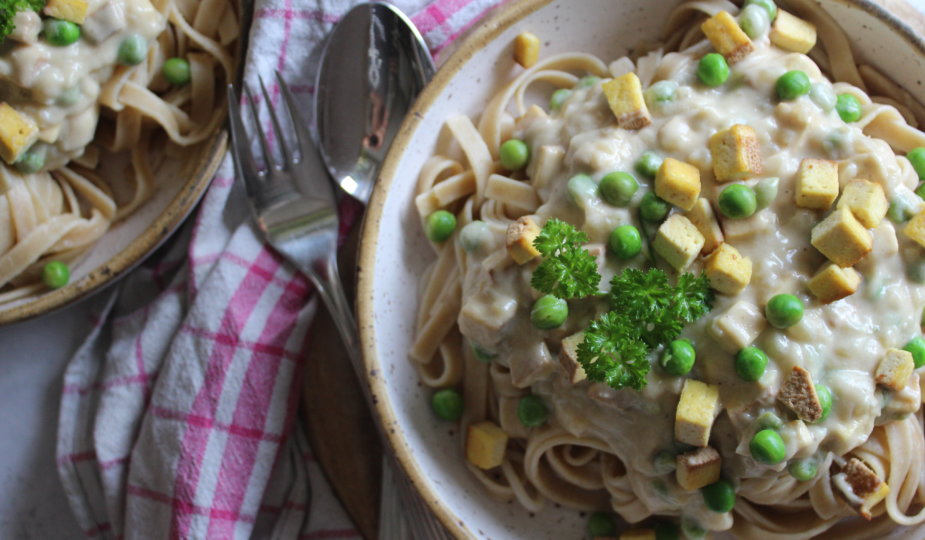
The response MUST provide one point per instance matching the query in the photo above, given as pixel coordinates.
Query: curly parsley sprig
(567, 270)
(613, 353)
(9, 9)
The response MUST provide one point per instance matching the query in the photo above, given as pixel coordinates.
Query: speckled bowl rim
(503, 18)
(202, 170)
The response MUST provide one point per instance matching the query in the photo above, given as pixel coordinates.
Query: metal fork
(294, 206)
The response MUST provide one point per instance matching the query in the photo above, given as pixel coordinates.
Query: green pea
(549, 312)
(916, 346)
(823, 96)
(754, 21)
(848, 107)
(648, 164)
(920, 191)
(177, 71)
(738, 201)
(618, 188)
(712, 70)
(587, 81)
(770, 420)
(652, 208)
(601, 524)
(766, 191)
(750, 363)
(30, 162)
(664, 462)
(69, 97)
(678, 357)
(558, 98)
(838, 143)
(625, 242)
(666, 530)
(916, 157)
(439, 226)
(514, 154)
(719, 496)
(692, 529)
(481, 354)
(581, 190)
(55, 274)
(661, 92)
(133, 50)
(767, 447)
(784, 310)
(60, 33)
(531, 411)
(825, 401)
(792, 85)
(899, 211)
(803, 470)
(769, 6)
(447, 404)
(474, 235)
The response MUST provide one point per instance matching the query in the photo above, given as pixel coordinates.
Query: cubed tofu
(817, 184)
(69, 10)
(526, 49)
(735, 153)
(842, 238)
(915, 229)
(520, 237)
(728, 270)
(678, 183)
(738, 326)
(624, 95)
(697, 408)
(568, 357)
(792, 33)
(698, 468)
(678, 241)
(485, 445)
(860, 486)
(703, 217)
(866, 201)
(894, 369)
(833, 282)
(18, 132)
(638, 534)
(726, 37)
(798, 393)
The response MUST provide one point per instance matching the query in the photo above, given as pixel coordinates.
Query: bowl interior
(395, 252)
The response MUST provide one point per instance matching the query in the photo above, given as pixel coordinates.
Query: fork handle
(327, 280)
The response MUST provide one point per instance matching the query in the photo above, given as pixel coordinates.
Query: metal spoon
(373, 66)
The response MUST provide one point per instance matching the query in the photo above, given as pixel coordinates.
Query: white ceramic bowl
(394, 251)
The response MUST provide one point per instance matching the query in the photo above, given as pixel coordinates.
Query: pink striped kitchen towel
(179, 412)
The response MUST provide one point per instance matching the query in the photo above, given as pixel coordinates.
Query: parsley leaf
(612, 353)
(567, 270)
(9, 9)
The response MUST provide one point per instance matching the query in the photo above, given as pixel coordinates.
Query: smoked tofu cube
(894, 369)
(735, 153)
(726, 37)
(798, 393)
(520, 237)
(833, 282)
(915, 229)
(526, 49)
(817, 184)
(703, 217)
(568, 357)
(678, 183)
(842, 238)
(861, 486)
(678, 241)
(697, 408)
(18, 132)
(738, 327)
(624, 95)
(485, 445)
(866, 201)
(698, 468)
(792, 33)
(638, 534)
(69, 10)
(728, 271)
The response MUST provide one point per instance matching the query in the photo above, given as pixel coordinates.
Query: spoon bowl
(373, 66)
